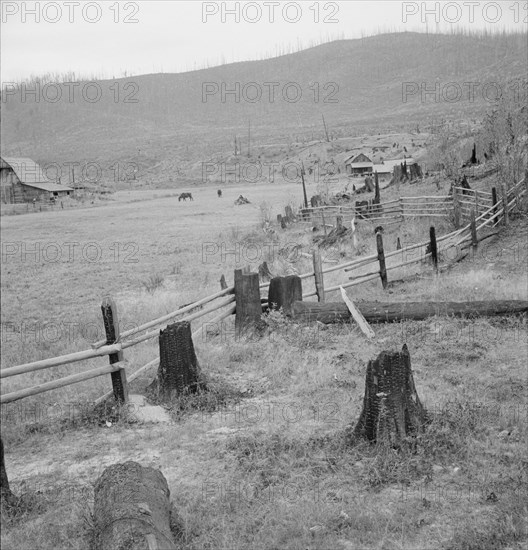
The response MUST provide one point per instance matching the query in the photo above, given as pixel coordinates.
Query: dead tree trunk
(283, 291)
(389, 312)
(392, 410)
(6, 495)
(179, 371)
(132, 509)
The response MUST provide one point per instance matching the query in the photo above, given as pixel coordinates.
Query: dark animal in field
(219, 193)
(185, 196)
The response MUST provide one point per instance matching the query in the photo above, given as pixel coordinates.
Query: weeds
(153, 283)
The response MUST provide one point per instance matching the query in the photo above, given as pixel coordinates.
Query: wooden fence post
(324, 221)
(354, 236)
(381, 259)
(111, 325)
(339, 222)
(434, 248)
(247, 301)
(473, 228)
(504, 194)
(456, 208)
(318, 273)
(283, 291)
(495, 204)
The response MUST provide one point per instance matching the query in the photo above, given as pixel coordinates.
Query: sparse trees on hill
(505, 137)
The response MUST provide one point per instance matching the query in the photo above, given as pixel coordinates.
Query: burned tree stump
(283, 291)
(392, 410)
(132, 509)
(6, 496)
(179, 371)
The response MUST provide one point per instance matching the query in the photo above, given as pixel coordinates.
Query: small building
(358, 165)
(23, 180)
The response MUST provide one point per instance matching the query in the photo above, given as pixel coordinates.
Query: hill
(164, 122)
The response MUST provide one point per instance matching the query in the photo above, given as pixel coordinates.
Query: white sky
(173, 35)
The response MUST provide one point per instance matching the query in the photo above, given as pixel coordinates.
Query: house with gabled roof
(23, 180)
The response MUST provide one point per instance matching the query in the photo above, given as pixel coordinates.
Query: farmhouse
(358, 165)
(386, 169)
(22, 180)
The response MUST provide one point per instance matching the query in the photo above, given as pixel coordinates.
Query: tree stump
(392, 410)
(283, 291)
(179, 371)
(6, 495)
(132, 510)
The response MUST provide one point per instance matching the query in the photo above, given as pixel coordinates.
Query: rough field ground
(265, 461)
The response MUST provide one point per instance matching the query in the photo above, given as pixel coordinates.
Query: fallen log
(132, 510)
(386, 312)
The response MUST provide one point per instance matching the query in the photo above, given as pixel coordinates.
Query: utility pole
(326, 131)
(304, 186)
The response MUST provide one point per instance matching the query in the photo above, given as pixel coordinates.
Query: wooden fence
(376, 265)
(459, 204)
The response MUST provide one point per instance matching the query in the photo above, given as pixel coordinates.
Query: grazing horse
(185, 196)
(219, 193)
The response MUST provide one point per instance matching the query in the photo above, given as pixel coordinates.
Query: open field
(265, 462)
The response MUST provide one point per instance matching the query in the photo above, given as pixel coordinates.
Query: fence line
(101, 349)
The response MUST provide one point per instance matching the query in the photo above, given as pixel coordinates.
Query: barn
(358, 165)
(23, 180)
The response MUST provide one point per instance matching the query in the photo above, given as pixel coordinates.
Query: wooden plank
(60, 383)
(356, 314)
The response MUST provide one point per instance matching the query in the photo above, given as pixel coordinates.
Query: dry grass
(266, 461)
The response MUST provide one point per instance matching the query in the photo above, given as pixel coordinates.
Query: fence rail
(474, 204)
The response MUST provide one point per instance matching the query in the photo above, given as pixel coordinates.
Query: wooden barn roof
(27, 170)
(48, 186)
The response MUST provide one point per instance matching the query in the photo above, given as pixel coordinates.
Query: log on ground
(132, 509)
(385, 312)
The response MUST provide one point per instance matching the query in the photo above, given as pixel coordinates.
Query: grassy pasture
(268, 464)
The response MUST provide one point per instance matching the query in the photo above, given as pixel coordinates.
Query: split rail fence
(482, 212)
(461, 202)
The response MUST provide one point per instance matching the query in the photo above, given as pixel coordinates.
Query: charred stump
(132, 509)
(283, 291)
(392, 410)
(179, 372)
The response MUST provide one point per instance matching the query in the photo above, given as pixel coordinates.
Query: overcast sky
(107, 38)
